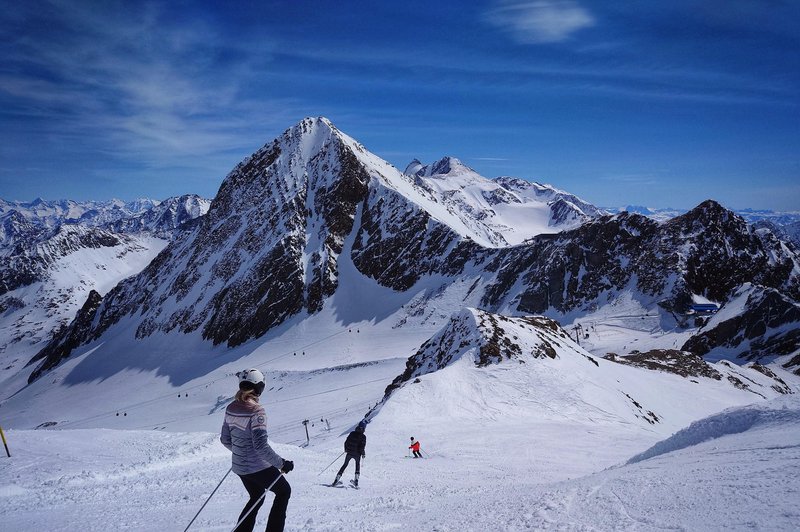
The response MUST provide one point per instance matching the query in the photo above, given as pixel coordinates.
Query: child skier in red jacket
(415, 448)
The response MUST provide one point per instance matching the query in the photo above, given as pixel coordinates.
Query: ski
(353, 484)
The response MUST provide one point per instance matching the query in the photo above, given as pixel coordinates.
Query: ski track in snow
(551, 476)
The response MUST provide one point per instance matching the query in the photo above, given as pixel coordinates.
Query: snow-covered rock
(545, 365)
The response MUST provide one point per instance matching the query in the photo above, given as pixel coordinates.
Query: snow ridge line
(731, 421)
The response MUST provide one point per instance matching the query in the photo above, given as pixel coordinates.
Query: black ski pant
(417, 454)
(256, 484)
(357, 458)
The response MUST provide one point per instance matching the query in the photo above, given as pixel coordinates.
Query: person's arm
(225, 436)
(258, 430)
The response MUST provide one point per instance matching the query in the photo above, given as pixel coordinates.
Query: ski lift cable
(193, 387)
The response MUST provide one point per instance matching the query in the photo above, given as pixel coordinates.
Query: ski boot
(336, 481)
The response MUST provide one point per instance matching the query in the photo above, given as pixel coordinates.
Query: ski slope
(532, 476)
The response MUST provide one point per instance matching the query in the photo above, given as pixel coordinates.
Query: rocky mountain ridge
(272, 244)
(54, 254)
(785, 225)
(476, 346)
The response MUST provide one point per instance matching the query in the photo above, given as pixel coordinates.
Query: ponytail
(246, 396)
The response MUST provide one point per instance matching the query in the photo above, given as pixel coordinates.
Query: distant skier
(354, 446)
(415, 448)
(244, 433)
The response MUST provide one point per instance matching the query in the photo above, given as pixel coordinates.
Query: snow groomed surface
(550, 476)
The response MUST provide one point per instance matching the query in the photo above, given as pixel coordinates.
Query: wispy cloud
(148, 91)
(540, 21)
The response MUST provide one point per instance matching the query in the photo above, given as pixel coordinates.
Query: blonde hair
(247, 396)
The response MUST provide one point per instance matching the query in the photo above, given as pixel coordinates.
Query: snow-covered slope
(504, 210)
(44, 286)
(512, 467)
(484, 365)
(54, 254)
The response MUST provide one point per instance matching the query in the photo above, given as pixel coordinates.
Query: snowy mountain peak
(446, 166)
(413, 167)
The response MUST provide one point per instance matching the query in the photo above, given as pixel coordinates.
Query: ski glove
(288, 465)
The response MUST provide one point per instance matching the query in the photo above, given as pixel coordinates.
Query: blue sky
(647, 103)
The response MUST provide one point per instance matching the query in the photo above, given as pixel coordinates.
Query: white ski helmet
(251, 379)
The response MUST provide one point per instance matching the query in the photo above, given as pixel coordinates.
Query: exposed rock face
(68, 338)
(265, 251)
(396, 243)
(489, 339)
(669, 360)
(691, 366)
(708, 251)
(780, 385)
(767, 327)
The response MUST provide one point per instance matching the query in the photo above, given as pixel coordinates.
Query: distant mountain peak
(445, 166)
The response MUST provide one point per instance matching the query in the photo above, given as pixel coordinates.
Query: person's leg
(255, 489)
(357, 458)
(277, 515)
(341, 470)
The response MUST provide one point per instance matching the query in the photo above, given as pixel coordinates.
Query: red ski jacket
(414, 446)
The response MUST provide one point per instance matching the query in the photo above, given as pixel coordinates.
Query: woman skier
(415, 447)
(354, 446)
(244, 433)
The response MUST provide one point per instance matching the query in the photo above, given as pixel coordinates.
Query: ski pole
(334, 461)
(209, 498)
(280, 474)
(4, 442)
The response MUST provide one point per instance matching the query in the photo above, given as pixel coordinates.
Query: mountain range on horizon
(313, 230)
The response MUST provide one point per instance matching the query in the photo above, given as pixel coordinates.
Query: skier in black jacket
(354, 446)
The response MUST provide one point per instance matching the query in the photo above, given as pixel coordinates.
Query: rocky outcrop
(68, 338)
(767, 327)
(708, 251)
(674, 361)
(487, 339)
